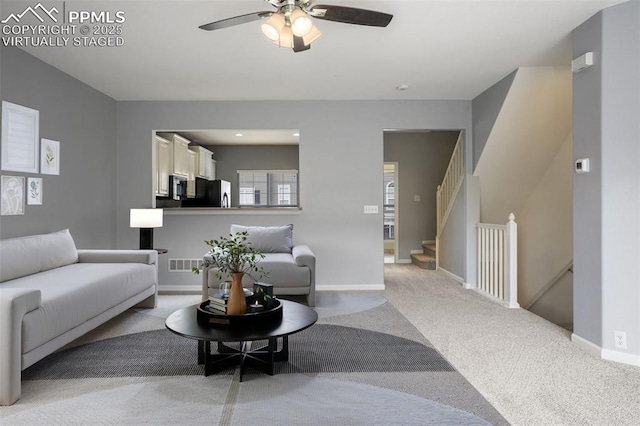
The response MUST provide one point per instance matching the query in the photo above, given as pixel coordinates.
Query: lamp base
(146, 238)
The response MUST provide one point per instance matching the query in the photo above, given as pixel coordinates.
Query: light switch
(416, 198)
(370, 209)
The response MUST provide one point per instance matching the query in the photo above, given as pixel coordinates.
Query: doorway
(389, 212)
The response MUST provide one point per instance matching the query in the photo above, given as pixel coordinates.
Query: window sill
(233, 211)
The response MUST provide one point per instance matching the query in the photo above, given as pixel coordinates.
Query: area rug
(363, 363)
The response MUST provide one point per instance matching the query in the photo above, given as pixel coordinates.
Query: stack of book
(218, 303)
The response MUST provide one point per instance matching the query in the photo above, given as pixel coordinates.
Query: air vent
(183, 265)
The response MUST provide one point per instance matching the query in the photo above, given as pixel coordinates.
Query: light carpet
(380, 370)
(527, 367)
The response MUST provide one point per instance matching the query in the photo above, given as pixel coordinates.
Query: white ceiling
(446, 49)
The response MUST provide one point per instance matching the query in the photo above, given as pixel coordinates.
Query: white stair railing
(498, 261)
(447, 191)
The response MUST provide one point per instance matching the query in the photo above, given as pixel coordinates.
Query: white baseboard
(606, 354)
(179, 288)
(417, 252)
(403, 261)
(351, 287)
(451, 275)
(588, 346)
(621, 357)
(346, 287)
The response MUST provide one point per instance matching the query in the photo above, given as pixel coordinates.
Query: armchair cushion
(268, 239)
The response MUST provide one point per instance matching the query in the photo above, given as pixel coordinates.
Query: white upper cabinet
(163, 160)
(191, 178)
(180, 155)
(206, 164)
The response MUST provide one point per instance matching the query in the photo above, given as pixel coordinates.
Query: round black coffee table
(295, 317)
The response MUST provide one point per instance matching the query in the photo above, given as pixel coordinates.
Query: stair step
(429, 249)
(424, 261)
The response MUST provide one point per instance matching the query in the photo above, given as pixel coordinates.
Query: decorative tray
(217, 319)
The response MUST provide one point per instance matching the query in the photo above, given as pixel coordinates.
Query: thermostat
(582, 165)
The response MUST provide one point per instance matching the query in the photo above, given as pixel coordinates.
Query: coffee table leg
(283, 354)
(200, 352)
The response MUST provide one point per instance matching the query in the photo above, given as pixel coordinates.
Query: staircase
(426, 259)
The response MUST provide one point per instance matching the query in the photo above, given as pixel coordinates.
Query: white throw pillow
(268, 239)
(36, 253)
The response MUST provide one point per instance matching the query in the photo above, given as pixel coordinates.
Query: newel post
(511, 262)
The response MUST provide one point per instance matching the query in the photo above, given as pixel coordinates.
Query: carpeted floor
(363, 363)
(527, 367)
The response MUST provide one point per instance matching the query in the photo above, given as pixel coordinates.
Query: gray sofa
(291, 268)
(51, 294)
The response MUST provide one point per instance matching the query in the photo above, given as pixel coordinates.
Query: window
(268, 188)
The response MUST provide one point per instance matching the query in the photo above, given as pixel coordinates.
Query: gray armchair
(291, 269)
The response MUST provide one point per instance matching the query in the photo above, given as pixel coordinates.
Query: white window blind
(268, 188)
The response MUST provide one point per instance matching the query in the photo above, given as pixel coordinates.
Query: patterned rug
(362, 363)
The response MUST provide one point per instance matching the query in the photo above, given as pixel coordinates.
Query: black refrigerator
(210, 193)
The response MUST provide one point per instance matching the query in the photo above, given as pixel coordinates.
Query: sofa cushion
(73, 294)
(36, 253)
(268, 239)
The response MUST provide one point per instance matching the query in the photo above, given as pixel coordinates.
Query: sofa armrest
(149, 257)
(14, 304)
(303, 256)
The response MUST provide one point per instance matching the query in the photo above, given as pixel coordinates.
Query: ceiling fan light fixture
(301, 24)
(312, 36)
(273, 27)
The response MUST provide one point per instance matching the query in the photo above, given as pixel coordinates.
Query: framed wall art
(20, 136)
(11, 195)
(34, 191)
(49, 157)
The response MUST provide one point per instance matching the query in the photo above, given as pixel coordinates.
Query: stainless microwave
(177, 187)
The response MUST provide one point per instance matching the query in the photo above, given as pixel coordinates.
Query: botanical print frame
(34, 191)
(20, 136)
(11, 195)
(49, 157)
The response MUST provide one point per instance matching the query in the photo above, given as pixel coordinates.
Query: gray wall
(422, 162)
(486, 107)
(607, 200)
(83, 120)
(230, 159)
(341, 158)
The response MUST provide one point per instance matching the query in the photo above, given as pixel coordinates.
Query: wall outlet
(620, 339)
(370, 209)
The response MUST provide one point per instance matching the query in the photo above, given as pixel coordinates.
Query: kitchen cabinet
(206, 164)
(163, 160)
(191, 178)
(211, 169)
(180, 154)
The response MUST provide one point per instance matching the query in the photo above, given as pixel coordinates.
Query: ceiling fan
(290, 25)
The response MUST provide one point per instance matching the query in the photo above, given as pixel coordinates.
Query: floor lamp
(146, 220)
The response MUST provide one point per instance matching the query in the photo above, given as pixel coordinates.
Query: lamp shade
(313, 34)
(145, 218)
(300, 23)
(286, 38)
(272, 27)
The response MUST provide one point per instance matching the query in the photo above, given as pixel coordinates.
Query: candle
(256, 307)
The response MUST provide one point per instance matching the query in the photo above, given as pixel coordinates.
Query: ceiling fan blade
(298, 44)
(236, 20)
(351, 15)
